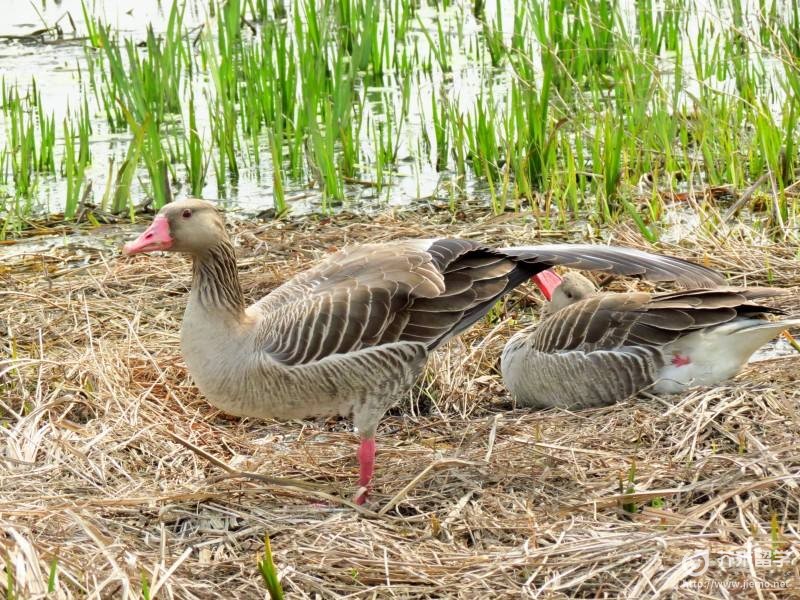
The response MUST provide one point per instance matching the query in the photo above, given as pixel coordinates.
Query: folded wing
(422, 291)
(613, 321)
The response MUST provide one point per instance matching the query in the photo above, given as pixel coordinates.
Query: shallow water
(59, 64)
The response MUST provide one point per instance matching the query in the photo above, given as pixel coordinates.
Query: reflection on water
(60, 68)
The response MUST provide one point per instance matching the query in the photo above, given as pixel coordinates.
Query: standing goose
(351, 335)
(594, 349)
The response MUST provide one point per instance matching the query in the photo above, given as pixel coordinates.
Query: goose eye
(187, 212)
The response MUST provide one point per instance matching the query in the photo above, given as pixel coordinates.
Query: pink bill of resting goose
(351, 335)
(594, 349)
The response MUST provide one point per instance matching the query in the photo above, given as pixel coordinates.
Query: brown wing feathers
(623, 261)
(351, 301)
(384, 294)
(613, 320)
(421, 292)
(472, 284)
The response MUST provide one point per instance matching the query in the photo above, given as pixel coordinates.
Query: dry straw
(117, 477)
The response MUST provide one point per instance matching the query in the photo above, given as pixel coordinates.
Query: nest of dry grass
(115, 471)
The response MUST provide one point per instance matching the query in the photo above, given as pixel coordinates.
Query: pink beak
(155, 237)
(547, 282)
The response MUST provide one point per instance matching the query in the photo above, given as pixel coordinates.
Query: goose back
(380, 294)
(609, 346)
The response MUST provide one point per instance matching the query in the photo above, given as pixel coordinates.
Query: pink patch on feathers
(681, 361)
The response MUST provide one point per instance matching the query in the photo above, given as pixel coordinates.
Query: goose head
(572, 288)
(192, 226)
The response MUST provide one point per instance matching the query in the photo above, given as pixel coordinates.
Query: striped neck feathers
(216, 280)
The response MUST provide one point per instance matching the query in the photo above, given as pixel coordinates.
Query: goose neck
(215, 280)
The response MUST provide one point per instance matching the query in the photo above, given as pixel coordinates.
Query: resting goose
(351, 335)
(594, 349)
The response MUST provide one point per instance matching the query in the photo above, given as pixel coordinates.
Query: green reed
(74, 169)
(574, 102)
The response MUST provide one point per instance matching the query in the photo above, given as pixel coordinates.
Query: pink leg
(366, 463)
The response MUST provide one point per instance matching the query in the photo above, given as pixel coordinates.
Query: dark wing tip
(615, 259)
